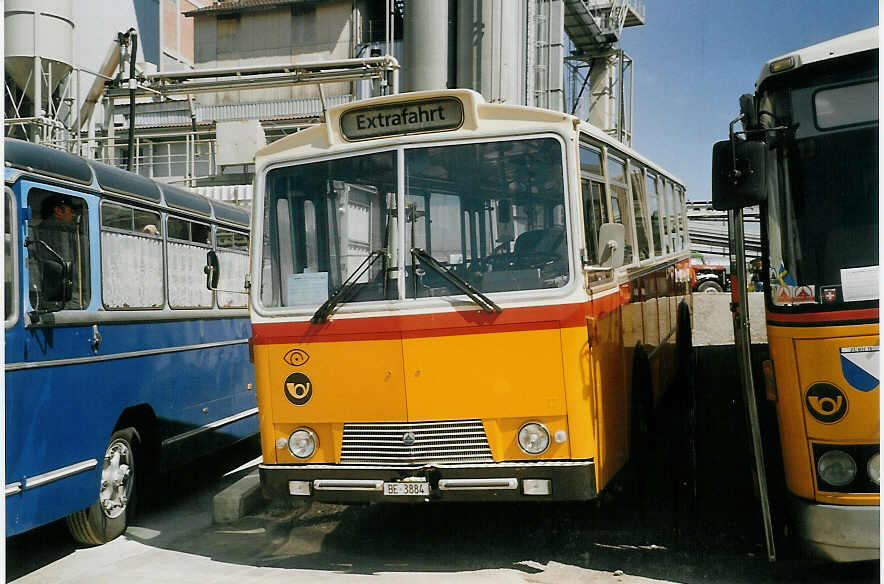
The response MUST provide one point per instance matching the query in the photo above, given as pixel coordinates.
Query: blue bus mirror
(212, 270)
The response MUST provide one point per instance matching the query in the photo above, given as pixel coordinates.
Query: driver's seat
(539, 245)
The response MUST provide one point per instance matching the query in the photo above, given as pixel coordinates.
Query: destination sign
(402, 118)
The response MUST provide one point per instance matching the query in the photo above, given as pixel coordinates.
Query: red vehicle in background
(707, 277)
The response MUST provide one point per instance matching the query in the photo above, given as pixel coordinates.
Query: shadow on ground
(656, 528)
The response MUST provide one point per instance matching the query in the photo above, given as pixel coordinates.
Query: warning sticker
(860, 367)
(804, 295)
(782, 295)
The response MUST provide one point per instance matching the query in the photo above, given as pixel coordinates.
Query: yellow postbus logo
(826, 403)
(298, 388)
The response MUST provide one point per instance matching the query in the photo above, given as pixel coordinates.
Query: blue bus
(126, 337)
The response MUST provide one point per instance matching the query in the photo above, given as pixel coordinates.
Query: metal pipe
(79, 113)
(133, 54)
(620, 112)
(387, 60)
(38, 94)
(247, 84)
(426, 45)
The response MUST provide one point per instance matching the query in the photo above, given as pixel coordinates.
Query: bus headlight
(874, 468)
(533, 438)
(302, 443)
(837, 468)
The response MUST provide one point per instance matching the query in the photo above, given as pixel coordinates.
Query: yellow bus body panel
(803, 357)
(505, 379)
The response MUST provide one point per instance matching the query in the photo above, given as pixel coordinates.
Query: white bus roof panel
(855, 42)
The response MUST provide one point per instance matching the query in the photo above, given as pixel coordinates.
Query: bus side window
(186, 249)
(595, 213)
(10, 260)
(656, 211)
(131, 258)
(620, 204)
(233, 259)
(680, 211)
(638, 201)
(60, 222)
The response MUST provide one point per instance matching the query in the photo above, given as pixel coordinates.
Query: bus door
(468, 211)
(605, 373)
(327, 218)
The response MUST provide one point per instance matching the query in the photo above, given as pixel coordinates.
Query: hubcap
(116, 478)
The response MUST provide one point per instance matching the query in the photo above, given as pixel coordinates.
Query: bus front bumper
(502, 481)
(840, 533)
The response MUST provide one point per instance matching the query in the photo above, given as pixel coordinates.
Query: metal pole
(79, 120)
(133, 55)
(38, 97)
(742, 340)
(620, 104)
(631, 94)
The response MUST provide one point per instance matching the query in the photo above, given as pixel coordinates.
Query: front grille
(445, 441)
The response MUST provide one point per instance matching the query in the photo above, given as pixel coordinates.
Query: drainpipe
(133, 55)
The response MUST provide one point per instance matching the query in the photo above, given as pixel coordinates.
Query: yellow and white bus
(458, 300)
(810, 159)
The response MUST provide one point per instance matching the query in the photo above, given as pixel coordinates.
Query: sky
(694, 58)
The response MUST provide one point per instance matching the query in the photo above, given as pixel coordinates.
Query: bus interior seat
(539, 246)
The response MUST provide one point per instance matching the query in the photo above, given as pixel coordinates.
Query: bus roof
(855, 42)
(41, 160)
(329, 133)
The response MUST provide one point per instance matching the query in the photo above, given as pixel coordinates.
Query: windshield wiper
(323, 312)
(483, 301)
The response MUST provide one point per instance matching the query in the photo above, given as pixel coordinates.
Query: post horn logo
(826, 403)
(298, 388)
(296, 357)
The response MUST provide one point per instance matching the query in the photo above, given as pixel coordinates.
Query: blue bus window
(61, 227)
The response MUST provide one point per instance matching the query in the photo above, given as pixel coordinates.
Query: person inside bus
(59, 229)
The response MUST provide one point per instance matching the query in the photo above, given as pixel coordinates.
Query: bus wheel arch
(109, 515)
(142, 418)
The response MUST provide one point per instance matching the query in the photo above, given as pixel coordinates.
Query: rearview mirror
(212, 270)
(738, 171)
(56, 286)
(612, 238)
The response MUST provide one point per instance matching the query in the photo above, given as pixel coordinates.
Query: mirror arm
(209, 270)
(595, 269)
(735, 174)
(610, 245)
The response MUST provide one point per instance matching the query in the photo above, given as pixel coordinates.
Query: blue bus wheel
(107, 518)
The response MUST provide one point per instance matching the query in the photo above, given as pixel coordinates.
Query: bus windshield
(823, 222)
(491, 213)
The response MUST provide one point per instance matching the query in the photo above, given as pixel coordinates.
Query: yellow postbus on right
(808, 156)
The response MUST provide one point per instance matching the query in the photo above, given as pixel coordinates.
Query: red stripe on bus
(817, 317)
(437, 324)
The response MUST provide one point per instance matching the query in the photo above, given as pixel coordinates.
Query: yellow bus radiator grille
(444, 441)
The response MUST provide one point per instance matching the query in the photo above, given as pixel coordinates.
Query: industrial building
(214, 81)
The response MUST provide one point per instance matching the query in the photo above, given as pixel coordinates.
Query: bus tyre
(107, 518)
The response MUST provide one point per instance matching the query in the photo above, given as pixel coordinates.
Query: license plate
(406, 489)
